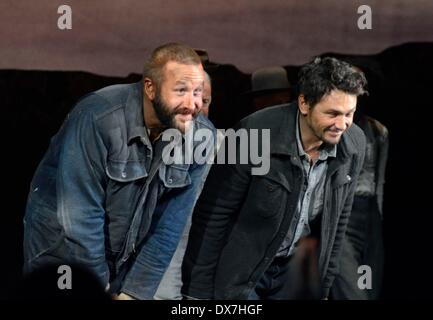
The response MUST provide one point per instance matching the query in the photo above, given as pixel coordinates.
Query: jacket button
(270, 189)
(170, 181)
(348, 178)
(250, 284)
(123, 174)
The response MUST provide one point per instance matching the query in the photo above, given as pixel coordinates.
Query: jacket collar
(135, 126)
(283, 135)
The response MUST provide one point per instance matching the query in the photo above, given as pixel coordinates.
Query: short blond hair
(168, 52)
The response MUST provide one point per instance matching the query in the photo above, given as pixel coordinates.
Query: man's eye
(180, 90)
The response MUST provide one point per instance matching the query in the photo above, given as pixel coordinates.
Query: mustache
(333, 130)
(185, 111)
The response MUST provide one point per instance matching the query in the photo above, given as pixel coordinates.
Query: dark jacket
(240, 219)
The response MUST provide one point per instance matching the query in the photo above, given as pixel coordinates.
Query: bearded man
(103, 197)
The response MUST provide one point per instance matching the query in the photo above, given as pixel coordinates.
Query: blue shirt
(310, 202)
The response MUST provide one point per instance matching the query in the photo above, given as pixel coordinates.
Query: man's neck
(310, 142)
(151, 121)
(154, 134)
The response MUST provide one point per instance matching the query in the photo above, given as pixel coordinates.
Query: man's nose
(190, 102)
(341, 123)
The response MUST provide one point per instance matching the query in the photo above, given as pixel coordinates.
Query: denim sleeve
(171, 283)
(154, 256)
(80, 190)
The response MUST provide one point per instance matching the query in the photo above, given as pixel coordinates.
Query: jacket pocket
(123, 191)
(341, 179)
(267, 194)
(340, 186)
(126, 170)
(175, 175)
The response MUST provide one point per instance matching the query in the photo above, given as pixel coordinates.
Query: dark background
(37, 91)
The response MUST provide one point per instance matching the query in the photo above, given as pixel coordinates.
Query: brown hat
(269, 79)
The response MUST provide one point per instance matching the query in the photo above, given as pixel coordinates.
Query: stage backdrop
(113, 37)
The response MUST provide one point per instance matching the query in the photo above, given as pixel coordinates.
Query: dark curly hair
(323, 75)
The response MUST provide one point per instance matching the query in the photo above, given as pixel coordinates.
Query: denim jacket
(91, 202)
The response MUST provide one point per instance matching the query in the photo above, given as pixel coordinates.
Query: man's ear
(302, 105)
(149, 88)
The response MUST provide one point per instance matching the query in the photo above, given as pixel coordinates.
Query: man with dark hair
(103, 197)
(246, 228)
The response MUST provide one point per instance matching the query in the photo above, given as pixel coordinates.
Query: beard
(167, 116)
(322, 134)
(333, 139)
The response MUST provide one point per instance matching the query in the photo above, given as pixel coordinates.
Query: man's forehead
(337, 97)
(184, 72)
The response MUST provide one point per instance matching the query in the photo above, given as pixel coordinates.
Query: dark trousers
(274, 284)
(293, 277)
